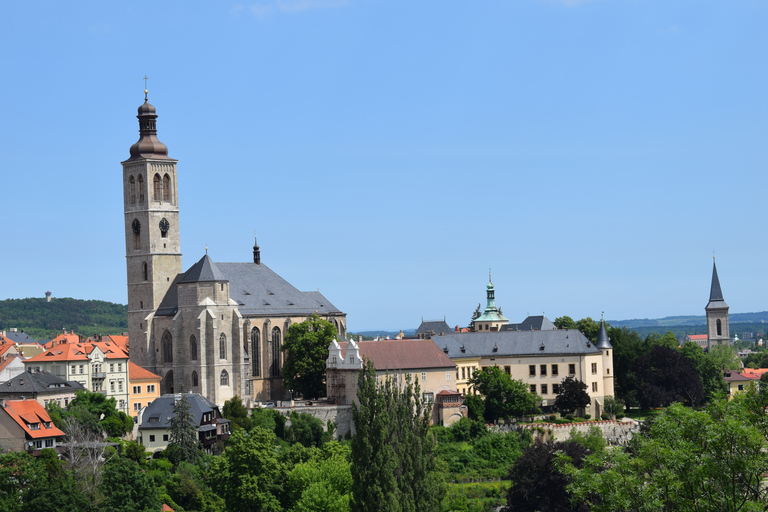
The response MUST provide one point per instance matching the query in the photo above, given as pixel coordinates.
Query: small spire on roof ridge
(256, 252)
(206, 249)
(145, 88)
(602, 316)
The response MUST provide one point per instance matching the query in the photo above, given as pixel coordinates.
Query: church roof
(516, 343)
(203, 271)
(436, 326)
(716, 300)
(603, 341)
(257, 289)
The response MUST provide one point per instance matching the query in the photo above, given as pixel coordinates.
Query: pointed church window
(156, 191)
(166, 188)
(223, 346)
(719, 328)
(141, 188)
(193, 348)
(275, 366)
(133, 190)
(144, 270)
(194, 379)
(256, 352)
(224, 380)
(167, 347)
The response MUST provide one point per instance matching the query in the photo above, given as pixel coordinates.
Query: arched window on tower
(145, 271)
(194, 379)
(255, 352)
(193, 348)
(719, 328)
(223, 346)
(166, 188)
(275, 366)
(132, 189)
(168, 380)
(224, 379)
(167, 347)
(156, 190)
(141, 188)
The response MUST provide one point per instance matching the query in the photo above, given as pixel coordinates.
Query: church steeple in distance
(718, 332)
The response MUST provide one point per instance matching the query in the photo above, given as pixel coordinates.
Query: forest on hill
(43, 320)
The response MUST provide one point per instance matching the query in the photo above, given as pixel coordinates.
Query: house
(699, 339)
(98, 366)
(421, 358)
(26, 426)
(144, 386)
(42, 386)
(431, 328)
(154, 421)
(11, 365)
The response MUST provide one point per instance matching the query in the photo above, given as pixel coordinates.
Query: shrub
(587, 416)
(569, 416)
(619, 415)
(552, 417)
(605, 416)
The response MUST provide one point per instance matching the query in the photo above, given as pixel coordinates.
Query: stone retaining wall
(340, 415)
(614, 432)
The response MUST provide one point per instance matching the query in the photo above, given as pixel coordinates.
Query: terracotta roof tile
(29, 411)
(136, 372)
(403, 354)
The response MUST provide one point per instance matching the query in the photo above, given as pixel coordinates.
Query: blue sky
(593, 153)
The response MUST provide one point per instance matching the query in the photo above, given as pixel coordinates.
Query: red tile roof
(754, 373)
(78, 352)
(5, 361)
(403, 354)
(697, 336)
(26, 412)
(136, 372)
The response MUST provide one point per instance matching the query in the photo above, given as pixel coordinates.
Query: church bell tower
(717, 314)
(152, 246)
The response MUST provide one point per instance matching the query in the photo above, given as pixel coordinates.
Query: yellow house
(737, 383)
(144, 387)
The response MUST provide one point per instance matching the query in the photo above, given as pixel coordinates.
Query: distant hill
(679, 321)
(43, 320)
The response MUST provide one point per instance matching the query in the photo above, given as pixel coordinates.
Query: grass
(637, 414)
(476, 497)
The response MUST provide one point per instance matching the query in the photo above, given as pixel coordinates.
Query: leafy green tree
(711, 376)
(475, 407)
(60, 493)
(627, 347)
(305, 429)
(321, 485)
(565, 322)
(475, 315)
(711, 459)
(19, 473)
(182, 433)
(666, 376)
(94, 411)
(235, 411)
(588, 328)
(127, 488)
(572, 395)
(503, 397)
(668, 340)
(724, 357)
(613, 406)
(393, 449)
(307, 345)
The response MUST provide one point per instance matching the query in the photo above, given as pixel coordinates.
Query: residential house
(421, 358)
(42, 386)
(154, 421)
(144, 386)
(737, 382)
(26, 426)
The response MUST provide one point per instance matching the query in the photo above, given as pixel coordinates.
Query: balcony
(100, 375)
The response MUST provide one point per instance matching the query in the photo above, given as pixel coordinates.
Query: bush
(587, 416)
(605, 416)
(619, 415)
(569, 416)
(552, 417)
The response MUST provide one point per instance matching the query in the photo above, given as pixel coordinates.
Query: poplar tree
(393, 450)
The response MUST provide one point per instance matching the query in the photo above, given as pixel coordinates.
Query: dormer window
(352, 359)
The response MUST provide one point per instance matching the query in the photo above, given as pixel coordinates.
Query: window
(49, 443)
(543, 370)
(167, 345)
(719, 328)
(156, 190)
(508, 370)
(447, 375)
(533, 388)
(151, 438)
(423, 375)
(555, 389)
(544, 389)
(112, 386)
(256, 352)
(594, 387)
(594, 368)
(532, 370)
(193, 348)
(741, 387)
(275, 366)
(150, 388)
(81, 369)
(137, 406)
(194, 379)
(133, 189)
(145, 273)
(572, 369)
(224, 379)
(120, 385)
(38, 444)
(429, 397)
(223, 346)
(166, 188)
(463, 374)
(554, 370)
(111, 367)
(136, 390)
(165, 437)
(352, 359)
(141, 188)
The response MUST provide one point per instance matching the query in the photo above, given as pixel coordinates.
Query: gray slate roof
(603, 341)
(715, 293)
(532, 323)
(21, 337)
(162, 409)
(41, 382)
(516, 343)
(438, 326)
(257, 289)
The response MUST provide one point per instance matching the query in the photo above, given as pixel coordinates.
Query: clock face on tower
(136, 225)
(164, 225)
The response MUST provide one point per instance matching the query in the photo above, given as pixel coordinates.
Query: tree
(666, 376)
(572, 395)
(712, 459)
(393, 449)
(307, 345)
(724, 357)
(475, 315)
(710, 375)
(182, 433)
(85, 455)
(627, 347)
(127, 488)
(503, 396)
(537, 484)
(235, 411)
(588, 328)
(564, 322)
(19, 473)
(305, 429)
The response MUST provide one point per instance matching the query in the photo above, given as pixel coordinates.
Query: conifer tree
(184, 441)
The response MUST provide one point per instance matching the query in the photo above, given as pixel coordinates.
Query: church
(216, 328)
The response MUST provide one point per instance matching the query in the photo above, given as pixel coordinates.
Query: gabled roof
(531, 323)
(437, 326)
(203, 271)
(11, 359)
(25, 412)
(41, 382)
(19, 337)
(395, 355)
(258, 291)
(136, 373)
(78, 352)
(162, 409)
(516, 343)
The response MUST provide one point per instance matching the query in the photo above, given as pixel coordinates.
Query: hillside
(42, 320)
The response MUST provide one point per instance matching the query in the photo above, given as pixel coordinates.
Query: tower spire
(148, 146)
(256, 252)
(715, 293)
